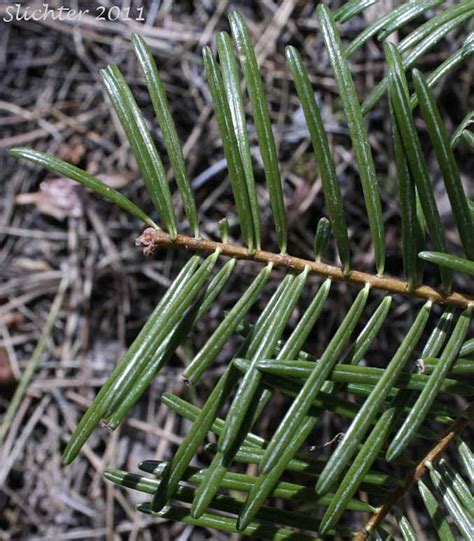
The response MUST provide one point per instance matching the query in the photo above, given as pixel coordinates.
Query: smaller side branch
(152, 240)
(418, 473)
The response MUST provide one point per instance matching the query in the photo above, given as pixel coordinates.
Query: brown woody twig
(151, 240)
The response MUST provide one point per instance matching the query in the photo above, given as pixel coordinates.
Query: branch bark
(152, 240)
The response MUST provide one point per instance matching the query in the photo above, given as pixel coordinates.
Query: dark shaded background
(51, 99)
